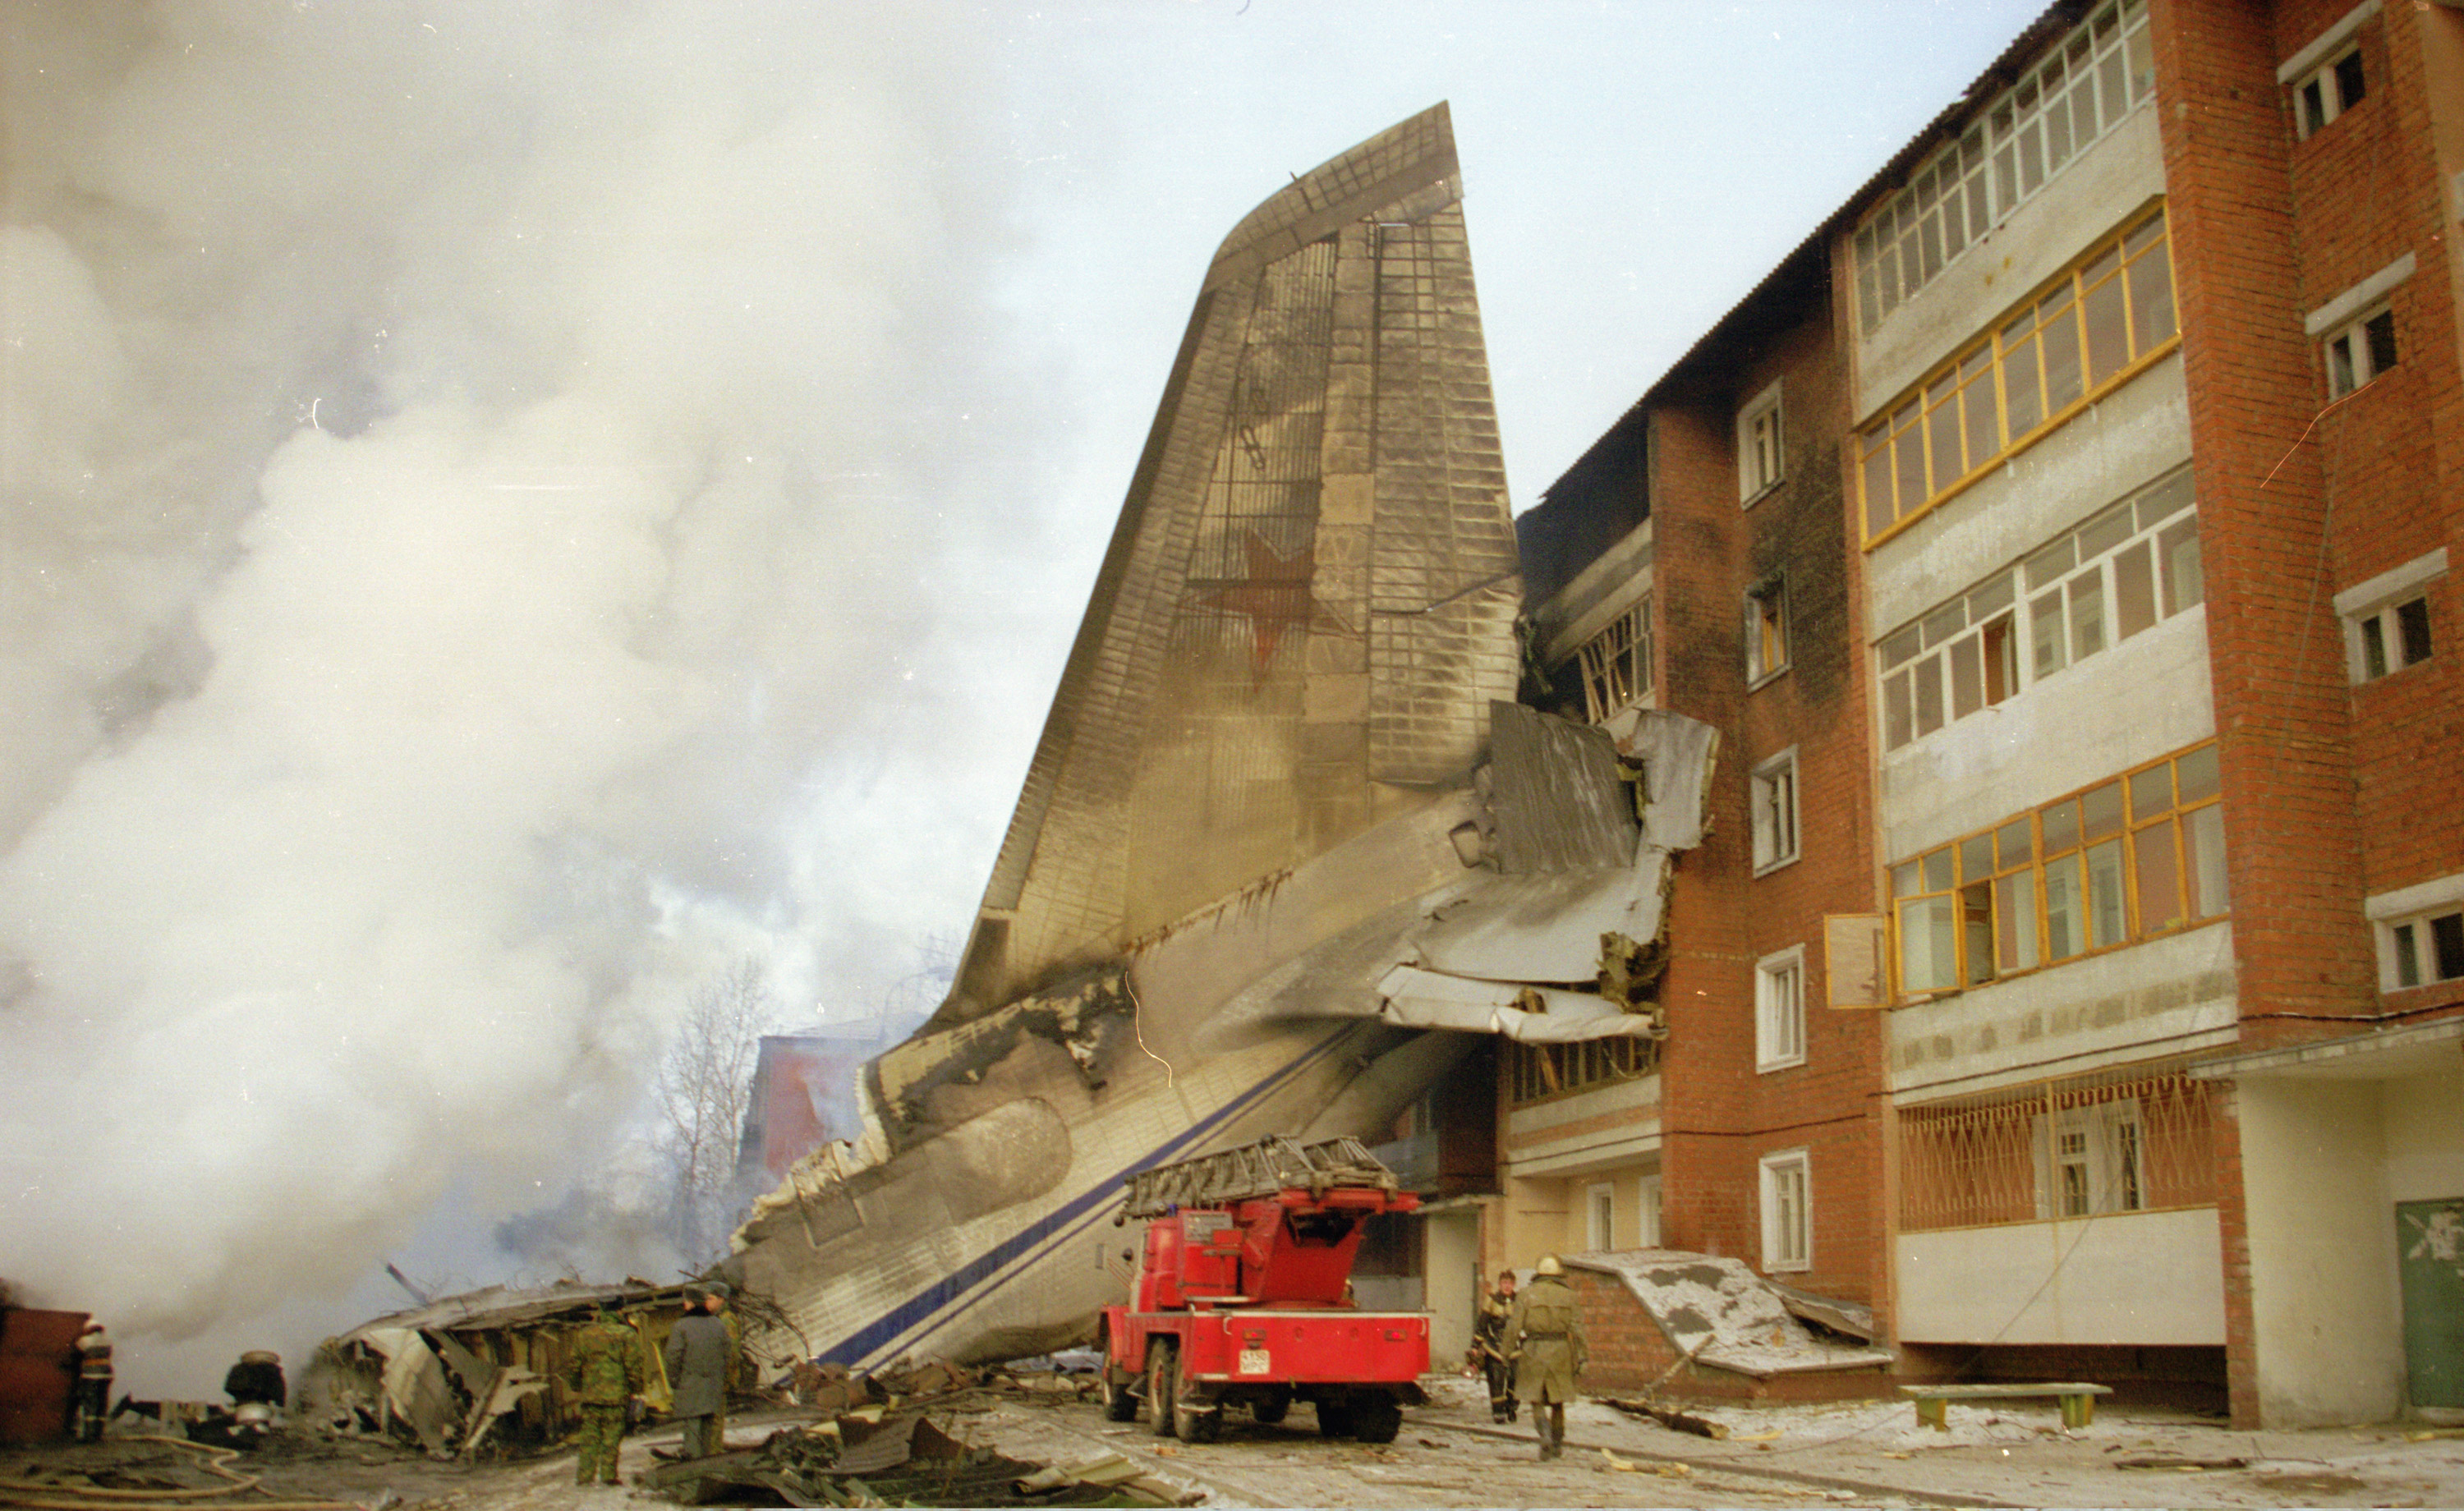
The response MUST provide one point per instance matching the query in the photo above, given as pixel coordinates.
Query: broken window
(1534, 1072)
(1766, 630)
(1617, 664)
(2125, 860)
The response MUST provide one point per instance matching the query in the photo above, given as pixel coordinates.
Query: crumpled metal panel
(1417, 998)
(1561, 801)
(1310, 597)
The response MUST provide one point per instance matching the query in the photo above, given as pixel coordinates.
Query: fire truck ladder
(1271, 1165)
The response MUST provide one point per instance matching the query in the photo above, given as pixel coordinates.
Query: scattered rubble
(904, 1460)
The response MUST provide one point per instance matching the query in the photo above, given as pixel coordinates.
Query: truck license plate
(1253, 1361)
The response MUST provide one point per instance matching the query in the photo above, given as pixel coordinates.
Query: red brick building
(2058, 539)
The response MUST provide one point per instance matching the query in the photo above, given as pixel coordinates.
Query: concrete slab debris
(1721, 1313)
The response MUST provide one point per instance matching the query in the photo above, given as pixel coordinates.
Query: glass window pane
(2170, 496)
(2112, 92)
(1879, 513)
(1941, 433)
(1898, 712)
(2151, 299)
(1967, 679)
(2022, 398)
(2051, 562)
(2447, 945)
(2178, 549)
(2407, 955)
(2103, 533)
(2159, 877)
(2134, 591)
(2108, 331)
(2061, 826)
(2106, 913)
(2151, 792)
(1986, 598)
(1929, 945)
(1904, 880)
(2101, 811)
(2203, 861)
(2195, 776)
(1976, 857)
(2087, 614)
(2045, 636)
(2374, 659)
(1900, 647)
(2014, 844)
(2015, 922)
(2065, 923)
(1945, 621)
(1939, 874)
(1927, 675)
(1907, 468)
(2061, 342)
(1976, 411)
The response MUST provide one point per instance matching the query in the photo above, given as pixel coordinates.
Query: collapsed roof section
(1310, 597)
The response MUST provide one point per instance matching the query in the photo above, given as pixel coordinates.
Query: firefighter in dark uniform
(94, 1382)
(604, 1367)
(1545, 1338)
(1488, 1337)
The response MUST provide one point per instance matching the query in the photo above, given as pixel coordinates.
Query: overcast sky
(511, 504)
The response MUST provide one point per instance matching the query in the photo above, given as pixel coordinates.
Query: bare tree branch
(704, 1090)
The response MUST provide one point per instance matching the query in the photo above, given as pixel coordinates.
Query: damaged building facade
(2060, 537)
(1944, 821)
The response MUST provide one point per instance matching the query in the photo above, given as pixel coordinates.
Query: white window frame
(2372, 616)
(1775, 830)
(1766, 631)
(1779, 1010)
(2417, 909)
(2044, 599)
(1785, 1183)
(1599, 1217)
(1762, 445)
(1646, 1210)
(2317, 64)
(2352, 351)
(2111, 1157)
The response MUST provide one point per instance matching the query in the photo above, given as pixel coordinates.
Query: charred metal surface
(930, 1088)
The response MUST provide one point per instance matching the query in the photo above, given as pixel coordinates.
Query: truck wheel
(1120, 1402)
(1191, 1422)
(1333, 1417)
(1270, 1407)
(1162, 1384)
(1376, 1419)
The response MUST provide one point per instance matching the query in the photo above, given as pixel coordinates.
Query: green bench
(1933, 1401)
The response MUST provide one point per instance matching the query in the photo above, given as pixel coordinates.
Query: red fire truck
(1243, 1297)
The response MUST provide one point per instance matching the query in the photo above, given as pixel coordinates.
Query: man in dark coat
(603, 1367)
(1488, 1337)
(1545, 1338)
(697, 1357)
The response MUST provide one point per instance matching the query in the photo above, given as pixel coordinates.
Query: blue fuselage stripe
(895, 1328)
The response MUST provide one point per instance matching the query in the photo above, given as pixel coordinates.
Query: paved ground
(1448, 1455)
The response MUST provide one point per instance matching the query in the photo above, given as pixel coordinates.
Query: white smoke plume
(473, 495)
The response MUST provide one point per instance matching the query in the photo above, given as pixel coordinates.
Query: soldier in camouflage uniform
(603, 1366)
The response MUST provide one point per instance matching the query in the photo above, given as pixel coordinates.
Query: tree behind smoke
(705, 1088)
